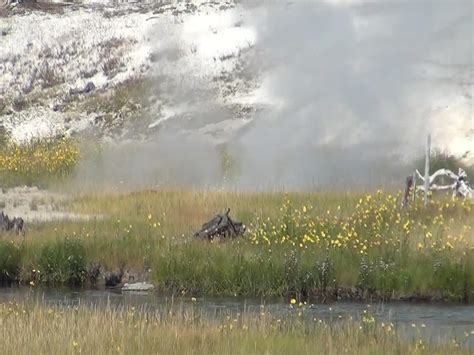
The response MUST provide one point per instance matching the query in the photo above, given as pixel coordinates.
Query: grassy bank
(311, 245)
(32, 328)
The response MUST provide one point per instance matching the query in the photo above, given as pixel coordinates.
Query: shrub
(63, 262)
(445, 160)
(379, 276)
(450, 279)
(10, 261)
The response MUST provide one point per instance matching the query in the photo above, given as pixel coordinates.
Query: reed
(35, 327)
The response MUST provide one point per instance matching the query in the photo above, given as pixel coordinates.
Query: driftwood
(137, 286)
(7, 224)
(459, 185)
(221, 226)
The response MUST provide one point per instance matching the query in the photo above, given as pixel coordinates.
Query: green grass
(314, 245)
(62, 262)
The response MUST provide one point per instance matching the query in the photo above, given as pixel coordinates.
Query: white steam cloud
(354, 88)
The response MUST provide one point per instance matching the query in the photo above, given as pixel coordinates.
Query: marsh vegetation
(185, 329)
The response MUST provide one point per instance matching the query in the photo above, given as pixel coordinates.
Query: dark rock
(113, 279)
(221, 226)
(85, 90)
(7, 224)
(89, 87)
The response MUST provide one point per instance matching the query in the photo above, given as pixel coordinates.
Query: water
(434, 323)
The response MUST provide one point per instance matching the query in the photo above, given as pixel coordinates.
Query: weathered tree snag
(408, 187)
(7, 224)
(427, 168)
(221, 226)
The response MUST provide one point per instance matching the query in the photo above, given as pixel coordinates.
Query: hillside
(276, 84)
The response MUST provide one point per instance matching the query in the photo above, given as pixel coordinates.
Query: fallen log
(459, 186)
(221, 226)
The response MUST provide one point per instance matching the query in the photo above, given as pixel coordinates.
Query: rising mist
(351, 90)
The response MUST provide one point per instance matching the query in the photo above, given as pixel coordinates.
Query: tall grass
(315, 245)
(62, 262)
(32, 328)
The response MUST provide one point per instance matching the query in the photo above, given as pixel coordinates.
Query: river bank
(322, 246)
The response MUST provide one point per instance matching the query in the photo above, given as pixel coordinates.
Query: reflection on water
(431, 322)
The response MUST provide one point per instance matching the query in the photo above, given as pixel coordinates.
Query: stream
(434, 323)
